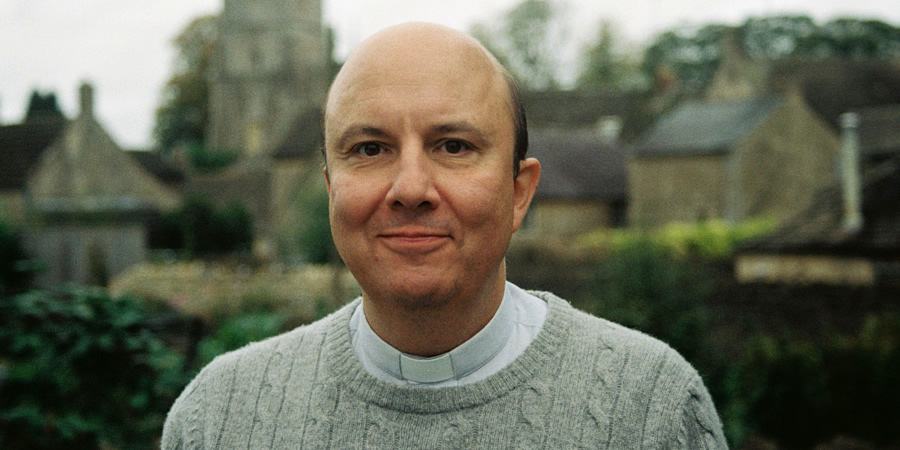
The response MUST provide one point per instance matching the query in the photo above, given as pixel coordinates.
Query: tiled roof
(879, 130)
(699, 127)
(833, 86)
(570, 109)
(818, 230)
(21, 146)
(578, 164)
(156, 164)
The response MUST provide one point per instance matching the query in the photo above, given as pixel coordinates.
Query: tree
(604, 65)
(527, 43)
(693, 54)
(43, 106)
(183, 115)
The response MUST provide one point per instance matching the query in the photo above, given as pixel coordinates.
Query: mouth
(414, 241)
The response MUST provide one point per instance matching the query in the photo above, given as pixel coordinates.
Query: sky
(124, 48)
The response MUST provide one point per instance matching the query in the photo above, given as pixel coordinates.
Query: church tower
(270, 67)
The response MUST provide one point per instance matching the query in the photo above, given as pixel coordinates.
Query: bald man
(427, 180)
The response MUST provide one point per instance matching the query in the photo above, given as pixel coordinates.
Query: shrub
(801, 394)
(204, 230)
(16, 270)
(710, 239)
(239, 331)
(82, 370)
(643, 286)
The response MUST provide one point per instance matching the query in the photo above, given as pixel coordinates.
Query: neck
(440, 326)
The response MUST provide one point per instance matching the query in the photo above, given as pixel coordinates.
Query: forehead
(432, 72)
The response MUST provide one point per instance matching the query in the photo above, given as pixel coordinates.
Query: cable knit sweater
(584, 382)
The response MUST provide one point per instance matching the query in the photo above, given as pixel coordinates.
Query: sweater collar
(455, 364)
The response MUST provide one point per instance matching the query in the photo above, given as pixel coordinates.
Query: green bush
(206, 160)
(16, 270)
(801, 394)
(643, 286)
(710, 239)
(239, 331)
(82, 370)
(314, 229)
(203, 230)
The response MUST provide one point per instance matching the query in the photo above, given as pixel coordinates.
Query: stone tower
(270, 66)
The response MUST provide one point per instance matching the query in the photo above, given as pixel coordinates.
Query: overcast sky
(124, 46)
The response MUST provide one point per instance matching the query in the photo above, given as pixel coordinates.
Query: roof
(578, 164)
(818, 230)
(156, 164)
(21, 147)
(833, 86)
(575, 108)
(704, 127)
(879, 130)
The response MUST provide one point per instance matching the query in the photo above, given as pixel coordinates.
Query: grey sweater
(583, 382)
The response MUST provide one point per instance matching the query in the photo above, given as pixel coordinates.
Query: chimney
(86, 97)
(609, 128)
(849, 173)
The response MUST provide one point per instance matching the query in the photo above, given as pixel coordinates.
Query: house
(730, 159)
(81, 201)
(764, 164)
(582, 186)
(850, 235)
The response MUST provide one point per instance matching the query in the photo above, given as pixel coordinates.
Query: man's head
(420, 131)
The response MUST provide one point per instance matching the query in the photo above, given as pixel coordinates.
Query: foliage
(16, 270)
(802, 394)
(82, 370)
(204, 230)
(239, 331)
(605, 65)
(314, 229)
(709, 239)
(642, 286)
(692, 55)
(206, 160)
(182, 118)
(527, 42)
(43, 106)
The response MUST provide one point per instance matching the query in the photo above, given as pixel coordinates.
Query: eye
(454, 146)
(369, 149)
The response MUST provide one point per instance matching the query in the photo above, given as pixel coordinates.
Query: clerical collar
(455, 364)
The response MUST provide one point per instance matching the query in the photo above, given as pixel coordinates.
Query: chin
(413, 296)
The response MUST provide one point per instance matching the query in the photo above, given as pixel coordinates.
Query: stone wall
(676, 189)
(216, 290)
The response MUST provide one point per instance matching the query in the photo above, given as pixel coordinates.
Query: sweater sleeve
(701, 427)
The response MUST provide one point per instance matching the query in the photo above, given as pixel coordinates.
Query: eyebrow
(356, 132)
(461, 127)
(366, 131)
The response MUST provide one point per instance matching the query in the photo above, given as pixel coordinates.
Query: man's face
(419, 149)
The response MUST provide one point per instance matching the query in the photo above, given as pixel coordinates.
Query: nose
(412, 186)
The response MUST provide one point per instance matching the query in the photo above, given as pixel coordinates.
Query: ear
(524, 187)
(327, 180)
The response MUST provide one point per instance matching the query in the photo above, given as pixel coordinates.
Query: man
(427, 180)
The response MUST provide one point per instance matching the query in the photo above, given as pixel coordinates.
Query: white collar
(455, 364)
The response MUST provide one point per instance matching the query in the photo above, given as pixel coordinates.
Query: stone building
(762, 141)
(81, 201)
(268, 82)
(850, 234)
(269, 68)
(730, 160)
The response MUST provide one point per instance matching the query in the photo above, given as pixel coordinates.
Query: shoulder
(220, 387)
(667, 398)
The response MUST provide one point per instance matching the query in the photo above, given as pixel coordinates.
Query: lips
(414, 241)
